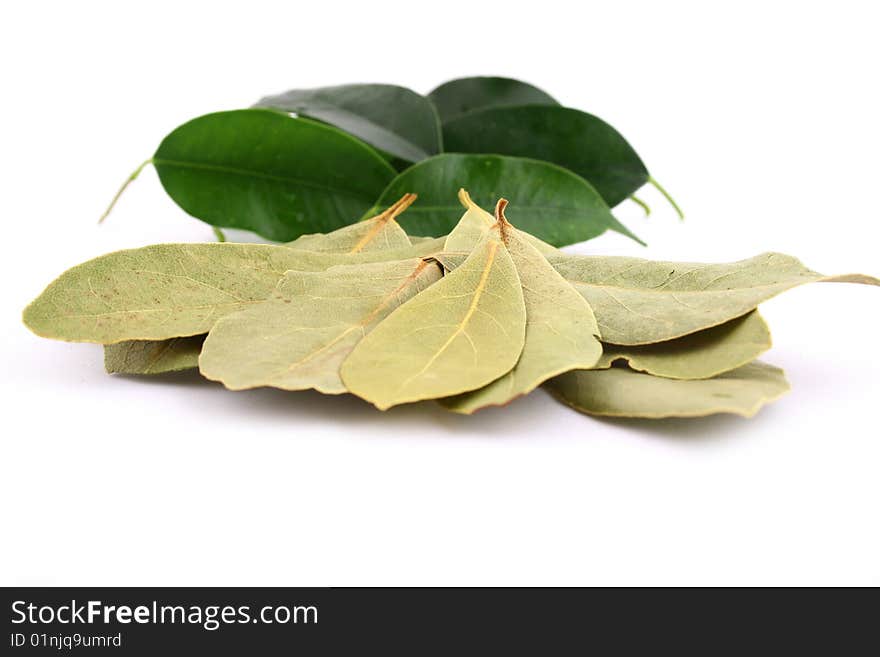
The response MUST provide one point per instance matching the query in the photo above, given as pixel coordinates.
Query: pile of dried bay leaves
(472, 319)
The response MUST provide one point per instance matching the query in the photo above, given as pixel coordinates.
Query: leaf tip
(500, 220)
(465, 199)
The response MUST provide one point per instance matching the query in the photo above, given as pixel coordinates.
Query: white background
(762, 119)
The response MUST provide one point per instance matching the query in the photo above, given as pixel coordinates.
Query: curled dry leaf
(642, 301)
(561, 330)
(622, 392)
(458, 335)
(299, 337)
(153, 356)
(700, 355)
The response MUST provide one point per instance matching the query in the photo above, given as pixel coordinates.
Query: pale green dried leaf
(561, 332)
(379, 233)
(420, 249)
(542, 246)
(153, 356)
(299, 337)
(474, 223)
(458, 335)
(163, 291)
(622, 392)
(700, 355)
(641, 301)
(470, 228)
(175, 290)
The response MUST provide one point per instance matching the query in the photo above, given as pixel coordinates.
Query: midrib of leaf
(163, 309)
(379, 224)
(219, 168)
(478, 294)
(369, 318)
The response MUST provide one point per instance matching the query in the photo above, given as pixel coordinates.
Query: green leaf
(299, 337)
(379, 233)
(561, 330)
(153, 356)
(700, 355)
(547, 201)
(163, 291)
(393, 119)
(572, 139)
(263, 171)
(643, 301)
(464, 95)
(458, 335)
(621, 392)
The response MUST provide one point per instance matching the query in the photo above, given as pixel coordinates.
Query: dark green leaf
(394, 119)
(261, 170)
(547, 201)
(457, 97)
(570, 138)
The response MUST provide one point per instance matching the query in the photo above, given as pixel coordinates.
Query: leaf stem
(644, 206)
(671, 200)
(218, 234)
(127, 182)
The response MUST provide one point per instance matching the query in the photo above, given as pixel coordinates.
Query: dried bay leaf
(299, 337)
(470, 228)
(162, 291)
(542, 246)
(622, 392)
(378, 233)
(419, 249)
(561, 330)
(642, 301)
(458, 335)
(700, 355)
(153, 356)
(474, 223)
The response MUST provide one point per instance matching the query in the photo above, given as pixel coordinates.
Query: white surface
(761, 119)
